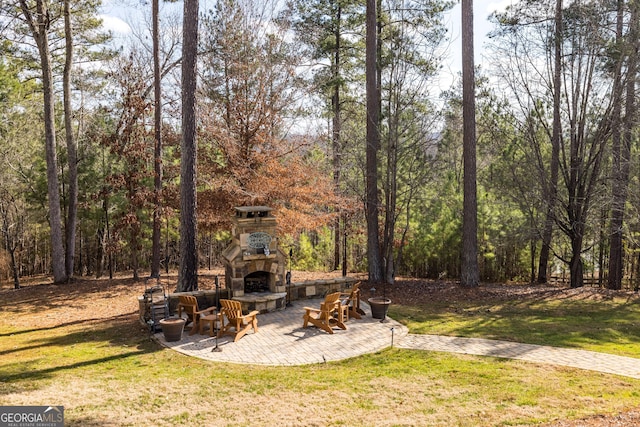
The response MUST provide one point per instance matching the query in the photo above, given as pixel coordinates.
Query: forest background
(281, 121)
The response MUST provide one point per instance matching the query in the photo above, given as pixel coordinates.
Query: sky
(120, 15)
(482, 9)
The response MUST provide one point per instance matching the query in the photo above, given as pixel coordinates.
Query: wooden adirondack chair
(189, 305)
(351, 300)
(328, 316)
(232, 311)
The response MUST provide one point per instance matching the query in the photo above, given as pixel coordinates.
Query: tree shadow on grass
(571, 324)
(79, 293)
(64, 325)
(39, 374)
(116, 334)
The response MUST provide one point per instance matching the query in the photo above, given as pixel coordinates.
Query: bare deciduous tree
(551, 187)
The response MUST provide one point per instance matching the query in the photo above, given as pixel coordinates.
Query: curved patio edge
(282, 341)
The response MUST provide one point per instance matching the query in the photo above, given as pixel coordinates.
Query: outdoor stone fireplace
(254, 265)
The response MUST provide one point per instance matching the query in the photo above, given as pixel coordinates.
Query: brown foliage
(245, 154)
(239, 169)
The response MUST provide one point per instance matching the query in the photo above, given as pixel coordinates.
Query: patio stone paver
(281, 340)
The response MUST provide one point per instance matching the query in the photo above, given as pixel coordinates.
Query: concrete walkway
(581, 359)
(281, 340)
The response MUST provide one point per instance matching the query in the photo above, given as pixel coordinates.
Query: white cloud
(117, 25)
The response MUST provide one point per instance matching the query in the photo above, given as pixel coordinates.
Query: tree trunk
(157, 153)
(106, 238)
(405, 230)
(39, 26)
(373, 145)
(576, 267)
(533, 260)
(188, 274)
(72, 156)
(81, 266)
(615, 242)
(622, 149)
(636, 282)
(552, 187)
(469, 275)
(14, 269)
(337, 127)
(167, 257)
(337, 238)
(135, 256)
(344, 250)
(391, 197)
(12, 233)
(100, 241)
(602, 243)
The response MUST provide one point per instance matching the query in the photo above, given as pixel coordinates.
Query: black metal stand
(154, 306)
(215, 326)
(384, 290)
(288, 281)
(216, 349)
(288, 278)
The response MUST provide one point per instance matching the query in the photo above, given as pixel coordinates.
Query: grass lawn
(609, 325)
(81, 346)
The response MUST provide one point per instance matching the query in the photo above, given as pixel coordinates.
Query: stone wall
(309, 289)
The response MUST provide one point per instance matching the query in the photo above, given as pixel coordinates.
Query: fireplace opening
(257, 281)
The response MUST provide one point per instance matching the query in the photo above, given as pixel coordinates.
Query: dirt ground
(93, 299)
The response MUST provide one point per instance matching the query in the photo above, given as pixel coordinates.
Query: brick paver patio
(281, 340)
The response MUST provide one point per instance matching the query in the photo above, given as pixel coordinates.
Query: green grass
(610, 326)
(108, 373)
(431, 388)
